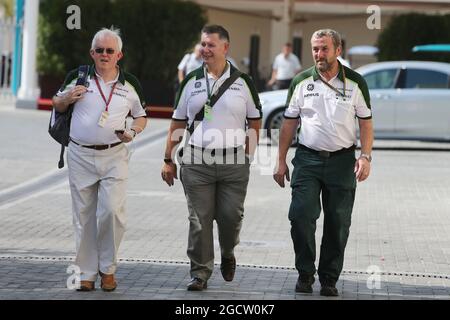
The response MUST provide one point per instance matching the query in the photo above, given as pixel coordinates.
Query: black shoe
(228, 267)
(329, 289)
(304, 284)
(197, 284)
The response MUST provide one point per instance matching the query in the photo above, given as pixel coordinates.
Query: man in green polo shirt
(326, 99)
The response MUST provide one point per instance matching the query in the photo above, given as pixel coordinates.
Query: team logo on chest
(198, 84)
(310, 87)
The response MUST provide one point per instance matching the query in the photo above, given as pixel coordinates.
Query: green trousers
(321, 182)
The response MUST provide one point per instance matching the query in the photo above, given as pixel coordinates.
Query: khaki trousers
(213, 192)
(97, 181)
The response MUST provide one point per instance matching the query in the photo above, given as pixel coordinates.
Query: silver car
(409, 99)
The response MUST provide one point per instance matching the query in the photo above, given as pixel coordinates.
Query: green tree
(404, 32)
(8, 7)
(156, 34)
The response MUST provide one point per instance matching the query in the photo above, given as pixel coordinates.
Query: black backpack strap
(83, 73)
(227, 83)
(61, 157)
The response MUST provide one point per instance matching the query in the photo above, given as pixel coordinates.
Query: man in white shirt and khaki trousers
(98, 158)
(215, 164)
(327, 99)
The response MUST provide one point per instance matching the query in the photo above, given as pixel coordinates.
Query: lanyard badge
(207, 111)
(105, 114)
(103, 118)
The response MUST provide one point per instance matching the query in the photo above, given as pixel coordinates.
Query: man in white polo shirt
(215, 162)
(285, 66)
(190, 62)
(327, 98)
(98, 158)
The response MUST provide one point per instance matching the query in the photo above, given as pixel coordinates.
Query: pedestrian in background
(285, 66)
(190, 62)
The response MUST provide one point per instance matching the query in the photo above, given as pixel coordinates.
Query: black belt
(99, 146)
(327, 154)
(218, 151)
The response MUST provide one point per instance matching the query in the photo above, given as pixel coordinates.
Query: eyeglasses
(101, 50)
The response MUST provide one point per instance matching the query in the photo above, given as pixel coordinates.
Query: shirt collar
(200, 71)
(340, 75)
(120, 77)
(225, 75)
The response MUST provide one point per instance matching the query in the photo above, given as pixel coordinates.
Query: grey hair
(105, 33)
(334, 35)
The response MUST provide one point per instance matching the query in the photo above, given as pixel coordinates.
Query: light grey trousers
(213, 192)
(98, 180)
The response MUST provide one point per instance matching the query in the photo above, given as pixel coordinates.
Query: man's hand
(75, 94)
(362, 169)
(282, 171)
(169, 172)
(126, 136)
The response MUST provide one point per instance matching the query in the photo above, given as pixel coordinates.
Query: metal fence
(6, 52)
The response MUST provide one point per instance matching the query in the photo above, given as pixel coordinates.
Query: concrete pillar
(29, 91)
(282, 30)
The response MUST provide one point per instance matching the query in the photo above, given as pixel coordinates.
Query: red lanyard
(103, 96)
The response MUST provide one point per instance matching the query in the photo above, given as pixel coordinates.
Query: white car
(409, 99)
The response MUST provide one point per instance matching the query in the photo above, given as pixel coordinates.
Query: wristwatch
(367, 156)
(168, 160)
(135, 133)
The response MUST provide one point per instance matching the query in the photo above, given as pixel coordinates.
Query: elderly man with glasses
(98, 157)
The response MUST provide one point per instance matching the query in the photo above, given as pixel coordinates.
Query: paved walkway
(399, 245)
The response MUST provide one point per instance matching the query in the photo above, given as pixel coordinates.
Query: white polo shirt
(286, 68)
(227, 126)
(189, 63)
(328, 120)
(127, 98)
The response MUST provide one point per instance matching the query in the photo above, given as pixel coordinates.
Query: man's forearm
(139, 124)
(274, 76)
(60, 103)
(287, 133)
(180, 76)
(366, 135)
(174, 137)
(252, 138)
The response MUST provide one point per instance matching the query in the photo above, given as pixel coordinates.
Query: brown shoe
(228, 267)
(108, 283)
(86, 285)
(197, 284)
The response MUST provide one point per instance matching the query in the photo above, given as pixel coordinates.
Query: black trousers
(319, 182)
